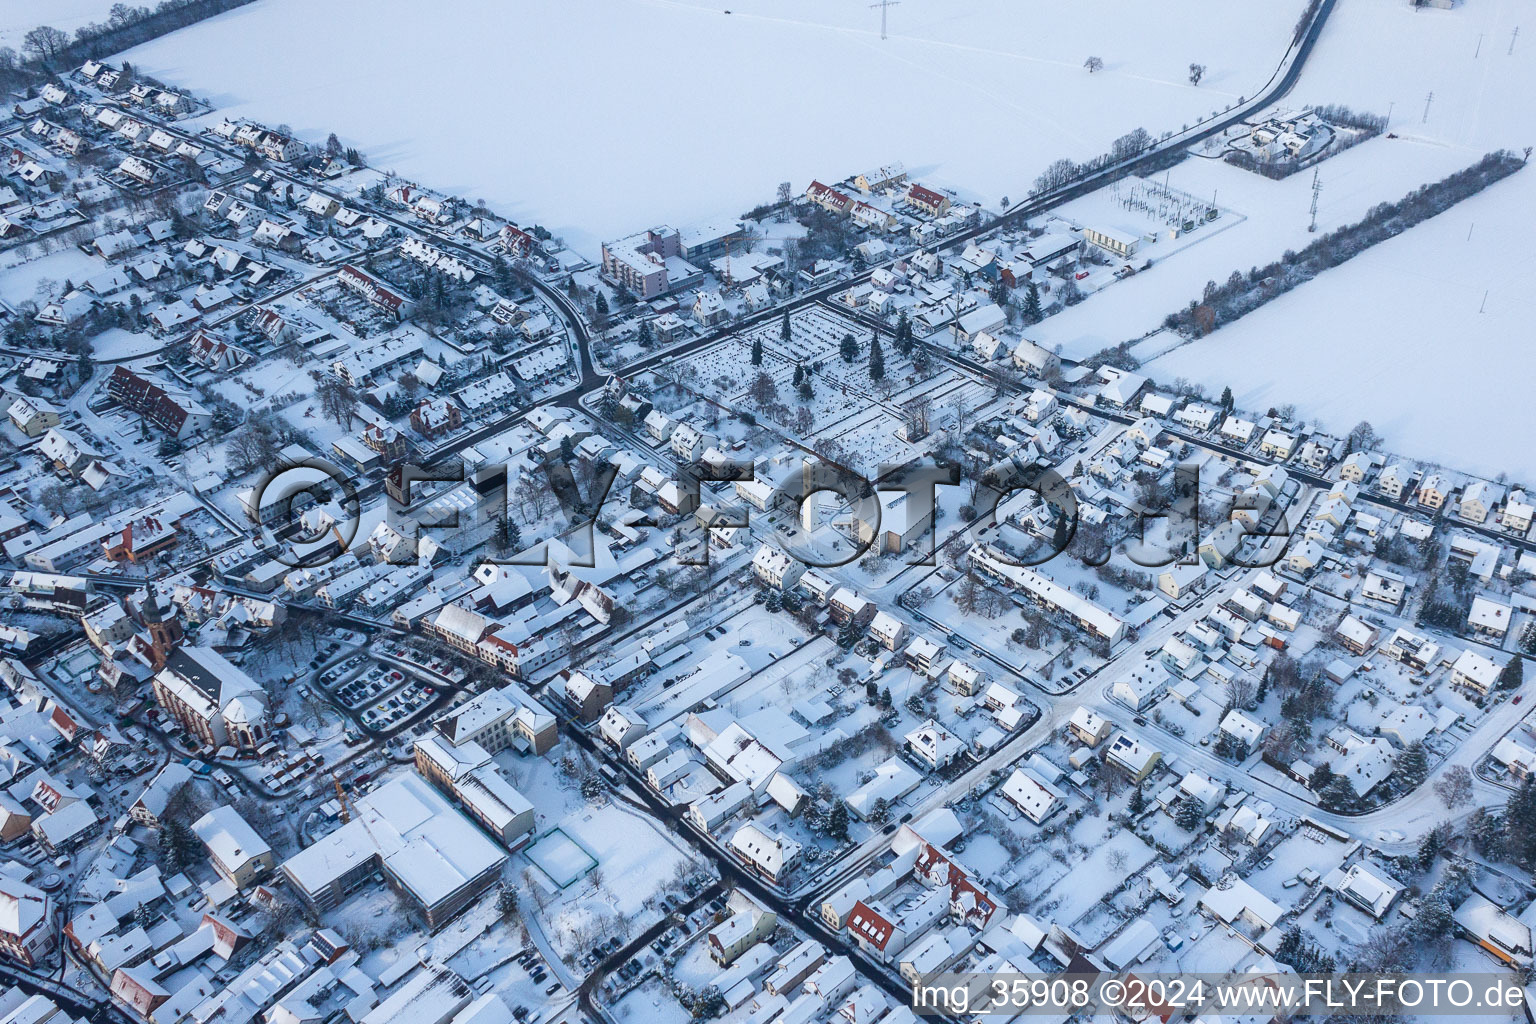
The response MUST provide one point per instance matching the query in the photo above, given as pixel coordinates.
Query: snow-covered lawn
(609, 119)
(41, 277)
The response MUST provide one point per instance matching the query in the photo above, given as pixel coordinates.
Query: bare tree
(337, 400)
(1454, 788)
(45, 43)
(534, 500)
(1093, 64)
(248, 448)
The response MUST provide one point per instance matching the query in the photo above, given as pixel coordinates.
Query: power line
(884, 6)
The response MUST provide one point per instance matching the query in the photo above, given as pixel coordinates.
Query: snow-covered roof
(230, 839)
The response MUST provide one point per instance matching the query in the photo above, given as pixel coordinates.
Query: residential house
(1277, 444)
(1356, 635)
(1489, 618)
(769, 853)
(927, 200)
(1393, 479)
(888, 631)
(26, 922)
(1434, 491)
(1135, 757)
(33, 416)
(237, 853)
(1088, 727)
(1478, 500)
(1474, 672)
(164, 406)
(934, 745)
(749, 925)
(1518, 512)
(1036, 798)
(1366, 887)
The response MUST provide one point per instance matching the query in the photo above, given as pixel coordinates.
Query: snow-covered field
(18, 17)
(1402, 335)
(597, 117)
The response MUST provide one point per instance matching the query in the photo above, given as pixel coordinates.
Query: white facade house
(1141, 688)
(774, 568)
(769, 853)
(934, 744)
(1489, 618)
(1393, 479)
(1472, 671)
(888, 631)
(1245, 731)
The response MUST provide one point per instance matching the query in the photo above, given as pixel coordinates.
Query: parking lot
(384, 696)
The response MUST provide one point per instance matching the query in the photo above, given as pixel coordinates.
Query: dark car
(552, 989)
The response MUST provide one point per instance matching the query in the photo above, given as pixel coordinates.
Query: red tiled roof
(864, 922)
(926, 196)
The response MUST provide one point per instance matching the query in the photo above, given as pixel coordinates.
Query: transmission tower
(1317, 186)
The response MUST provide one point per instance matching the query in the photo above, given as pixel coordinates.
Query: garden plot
(694, 966)
(991, 626)
(650, 1003)
(1196, 718)
(1304, 848)
(787, 681)
(1106, 855)
(41, 278)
